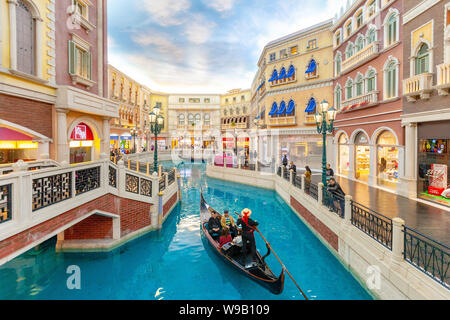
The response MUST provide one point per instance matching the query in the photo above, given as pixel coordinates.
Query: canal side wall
(360, 254)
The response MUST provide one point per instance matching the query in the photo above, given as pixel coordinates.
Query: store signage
(438, 179)
(80, 132)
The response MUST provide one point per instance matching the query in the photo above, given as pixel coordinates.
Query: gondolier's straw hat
(246, 212)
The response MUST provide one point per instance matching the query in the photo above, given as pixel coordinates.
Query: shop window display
(362, 157)
(387, 161)
(433, 181)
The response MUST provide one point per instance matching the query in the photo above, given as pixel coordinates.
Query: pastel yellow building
(27, 79)
(235, 109)
(295, 74)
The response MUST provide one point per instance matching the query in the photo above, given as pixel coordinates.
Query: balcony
(418, 87)
(229, 126)
(443, 79)
(290, 80)
(367, 53)
(364, 100)
(282, 121)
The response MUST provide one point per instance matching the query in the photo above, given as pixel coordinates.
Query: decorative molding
(419, 9)
(26, 93)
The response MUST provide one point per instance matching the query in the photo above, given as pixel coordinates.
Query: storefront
(387, 160)
(433, 162)
(126, 143)
(81, 144)
(16, 146)
(114, 142)
(343, 155)
(362, 157)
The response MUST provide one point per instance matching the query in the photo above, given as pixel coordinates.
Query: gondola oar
(279, 260)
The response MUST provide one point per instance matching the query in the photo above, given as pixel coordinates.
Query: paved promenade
(427, 219)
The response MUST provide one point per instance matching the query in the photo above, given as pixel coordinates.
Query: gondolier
(248, 227)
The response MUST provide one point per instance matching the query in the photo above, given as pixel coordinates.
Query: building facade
(27, 80)
(194, 121)
(368, 68)
(295, 74)
(426, 102)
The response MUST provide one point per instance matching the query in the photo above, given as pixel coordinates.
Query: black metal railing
(334, 202)
(312, 190)
(372, 223)
(279, 171)
(171, 177)
(51, 190)
(287, 174)
(162, 184)
(5, 203)
(112, 177)
(427, 255)
(87, 180)
(297, 181)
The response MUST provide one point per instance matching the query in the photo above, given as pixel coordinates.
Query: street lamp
(325, 117)
(156, 125)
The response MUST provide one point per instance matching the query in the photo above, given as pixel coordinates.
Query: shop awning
(311, 105)
(274, 109)
(282, 74)
(274, 76)
(291, 107)
(312, 66)
(282, 108)
(290, 72)
(260, 86)
(7, 134)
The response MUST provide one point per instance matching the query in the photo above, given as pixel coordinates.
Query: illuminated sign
(80, 132)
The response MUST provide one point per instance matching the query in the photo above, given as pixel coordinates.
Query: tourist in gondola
(227, 222)
(225, 237)
(248, 227)
(214, 227)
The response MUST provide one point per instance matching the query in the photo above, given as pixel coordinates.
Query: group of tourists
(225, 231)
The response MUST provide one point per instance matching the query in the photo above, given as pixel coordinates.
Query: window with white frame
(338, 97)
(181, 119)
(80, 61)
(391, 29)
(272, 57)
(190, 119)
(338, 63)
(349, 50)
(359, 19)
(283, 53)
(198, 119)
(422, 60)
(26, 39)
(349, 89)
(391, 79)
(371, 36)
(207, 119)
(359, 45)
(371, 8)
(359, 85)
(371, 81)
(348, 29)
(337, 38)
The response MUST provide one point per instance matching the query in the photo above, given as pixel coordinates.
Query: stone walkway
(427, 219)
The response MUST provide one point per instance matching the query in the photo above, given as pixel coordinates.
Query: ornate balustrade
(367, 99)
(443, 78)
(418, 87)
(367, 53)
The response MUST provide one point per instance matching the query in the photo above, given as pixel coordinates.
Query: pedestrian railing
(297, 181)
(171, 177)
(112, 177)
(372, 223)
(427, 255)
(313, 190)
(334, 202)
(5, 203)
(287, 175)
(162, 184)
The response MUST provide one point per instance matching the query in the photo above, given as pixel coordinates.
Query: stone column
(408, 183)
(44, 150)
(320, 193)
(63, 143)
(398, 239)
(303, 183)
(160, 209)
(373, 162)
(106, 132)
(351, 160)
(291, 176)
(348, 209)
(12, 34)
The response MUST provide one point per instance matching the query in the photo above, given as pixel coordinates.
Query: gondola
(257, 269)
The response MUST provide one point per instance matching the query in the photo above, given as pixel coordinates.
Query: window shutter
(89, 65)
(72, 58)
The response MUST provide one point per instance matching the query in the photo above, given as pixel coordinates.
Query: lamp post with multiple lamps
(325, 117)
(156, 125)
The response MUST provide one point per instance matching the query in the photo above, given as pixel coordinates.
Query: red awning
(7, 134)
(82, 132)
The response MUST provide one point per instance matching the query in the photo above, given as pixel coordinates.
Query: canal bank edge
(355, 250)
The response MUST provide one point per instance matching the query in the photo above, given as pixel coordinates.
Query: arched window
(390, 79)
(274, 76)
(338, 63)
(338, 97)
(371, 81)
(391, 34)
(26, 39)
(359, 45)
(349, 89)
(337, 38)
(359, 19)
(349, 50)
(207, 119)
(359, 85)
(422, 60)
(348, 29)
(311, 71)
(190, 119)
(181, 119)
(238, 111)
(198, 119)
(311, 107)
(371, 36)
(371, 8)
(291, 73)
(290, 111)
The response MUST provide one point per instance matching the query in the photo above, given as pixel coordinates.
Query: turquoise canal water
(175, 262)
